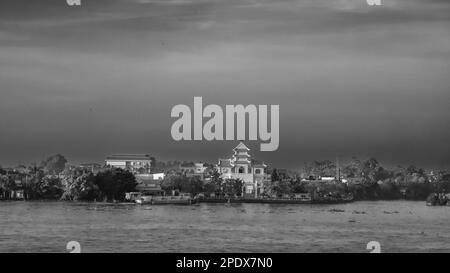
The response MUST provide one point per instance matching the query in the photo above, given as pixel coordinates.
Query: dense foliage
(114, 183)
(193, 185)
(50, 182)
(365, 179)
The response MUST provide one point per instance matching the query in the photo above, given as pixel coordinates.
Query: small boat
(165, 200)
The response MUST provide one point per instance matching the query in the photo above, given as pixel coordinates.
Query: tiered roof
(241, 146)
(242, 159)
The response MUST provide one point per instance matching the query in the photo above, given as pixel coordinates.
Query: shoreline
(289, 202)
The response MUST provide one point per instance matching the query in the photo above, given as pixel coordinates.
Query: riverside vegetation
(366, 180)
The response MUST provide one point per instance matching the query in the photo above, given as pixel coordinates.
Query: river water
(399, 226)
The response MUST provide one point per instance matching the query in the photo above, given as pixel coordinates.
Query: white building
(241, 166)
(194, 168)
(131, 162)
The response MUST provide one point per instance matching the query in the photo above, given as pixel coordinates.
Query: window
(258, 171)
(241, 170)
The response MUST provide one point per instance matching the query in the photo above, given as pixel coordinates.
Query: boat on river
(165, 200)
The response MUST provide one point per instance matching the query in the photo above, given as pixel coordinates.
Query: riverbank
(224, 200)
(271, 201)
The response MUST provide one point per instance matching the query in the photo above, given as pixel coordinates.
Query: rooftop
(225, 163)
(129, 157)
(241, 146)
(187, 165)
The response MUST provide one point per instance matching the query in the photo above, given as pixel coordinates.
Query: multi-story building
(133, 162)
(93, 167)
(193, 169)
(241, 166)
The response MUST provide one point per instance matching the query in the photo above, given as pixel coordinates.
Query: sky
(102, 78)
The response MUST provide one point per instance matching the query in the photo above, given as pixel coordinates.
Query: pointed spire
(241, 146)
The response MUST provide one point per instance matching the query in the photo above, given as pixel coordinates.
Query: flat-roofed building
(191, 169)
(149, 184)
(133, 162)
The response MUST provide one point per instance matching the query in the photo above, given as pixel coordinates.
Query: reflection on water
(399, 226)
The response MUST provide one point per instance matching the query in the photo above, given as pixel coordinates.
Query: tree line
(52, 181)
(365, 179)
(216, 186)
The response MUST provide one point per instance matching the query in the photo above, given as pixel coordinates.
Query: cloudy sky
(350, 79)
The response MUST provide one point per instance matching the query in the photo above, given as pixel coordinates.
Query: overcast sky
(350, 79)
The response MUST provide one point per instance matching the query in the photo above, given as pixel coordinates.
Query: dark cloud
(101, 78)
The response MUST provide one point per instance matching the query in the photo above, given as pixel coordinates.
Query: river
(399, 226)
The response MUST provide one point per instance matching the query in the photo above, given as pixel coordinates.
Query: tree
(182, 183)
(233, 187)
(353, 169)
(412, 170)
(275, 176)
(216, 176)
(216, 184)
(210, 188)
(114, 183)
(444, 184)
(418, 191)
(174, 182)
(195, 186)
(80, 188)
(324, 168)
(388, 191)
(280, 188)
(372, 171)
(31, 184)
(298, 186)
(49, 188)
(54, 164)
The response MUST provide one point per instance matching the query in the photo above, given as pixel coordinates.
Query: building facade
(242, 166)
(141, 163)
(197, 169)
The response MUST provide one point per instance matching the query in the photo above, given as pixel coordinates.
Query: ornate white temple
(241, 166)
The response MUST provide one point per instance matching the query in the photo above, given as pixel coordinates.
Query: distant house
(327, 178)
(196, 168)
(93, 167)
(22, 169)
(148, 185)
(132, 162)
(158, 176)
(18, 195)
(324, 179)
(193, 169)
